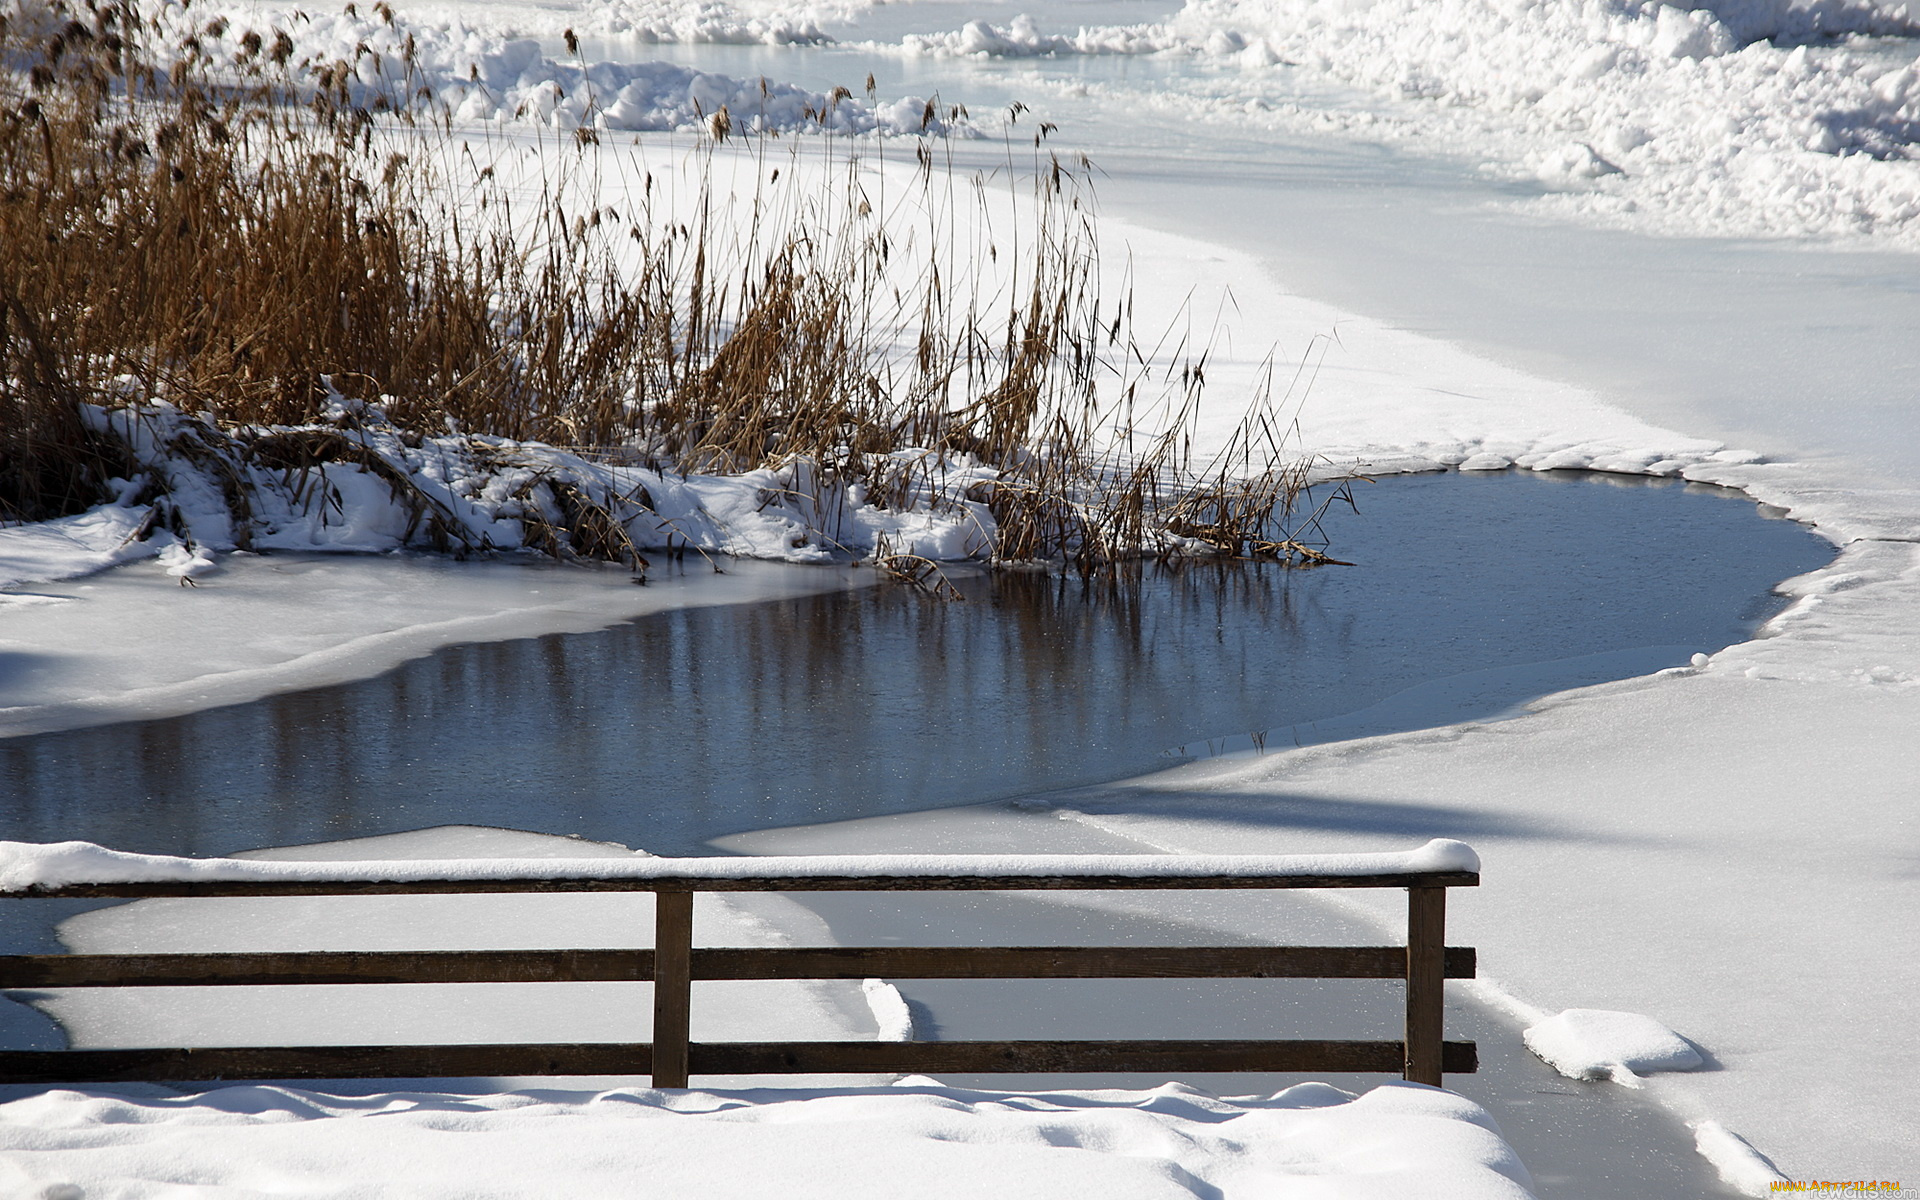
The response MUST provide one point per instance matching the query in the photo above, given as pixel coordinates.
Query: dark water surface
(1475, 591)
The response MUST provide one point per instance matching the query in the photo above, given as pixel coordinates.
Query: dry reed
(252, 241)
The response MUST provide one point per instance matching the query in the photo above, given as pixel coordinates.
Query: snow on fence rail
(80, 870)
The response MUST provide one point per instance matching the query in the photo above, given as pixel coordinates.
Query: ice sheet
(132, 643)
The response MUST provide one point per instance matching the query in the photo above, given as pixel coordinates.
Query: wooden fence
(674, 963)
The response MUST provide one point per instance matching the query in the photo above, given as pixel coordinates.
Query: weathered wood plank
(612, 965)
(322, 1062)
(1052, 1057)
(767, 883)
(1069, 962)
(1426, 994)
(713, 1058)
(672, 987)
(323, 966)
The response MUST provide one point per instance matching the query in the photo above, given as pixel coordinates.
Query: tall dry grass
(250, 239)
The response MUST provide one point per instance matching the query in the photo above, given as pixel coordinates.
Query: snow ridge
(1625, 112)
(476, 74)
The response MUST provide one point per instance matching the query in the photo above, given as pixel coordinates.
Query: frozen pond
(1469, 594)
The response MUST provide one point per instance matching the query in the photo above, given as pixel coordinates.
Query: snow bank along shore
(1789, 118)
(1746, 118)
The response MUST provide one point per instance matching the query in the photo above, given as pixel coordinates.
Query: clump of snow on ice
(890, 1010)
(1592, 1043)
(1745, 1169)
(712, 22)
(1485, 462)
(187, 563)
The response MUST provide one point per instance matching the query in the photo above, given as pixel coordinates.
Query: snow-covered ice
(1722, 847)
(91, 541)
(77, 655)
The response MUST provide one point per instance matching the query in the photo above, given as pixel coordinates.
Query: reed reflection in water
(682, 726)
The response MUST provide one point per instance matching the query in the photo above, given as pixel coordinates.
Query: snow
(1737, 1161)
(187, 565)
(917, 1140)
(1747, 117)
(458, 1013)
(477, 75)
(91, 541)
(890, 1010)
(29, 865)
(1589, 1043)
(484, 492)
(1724, 847)
(132, 643)
(846, 1141)
(1728, 845)
(1643, 115)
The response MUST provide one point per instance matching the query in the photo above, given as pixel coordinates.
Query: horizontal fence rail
(674, 963)
(713, 1058)
(825, 962)
(744, 883)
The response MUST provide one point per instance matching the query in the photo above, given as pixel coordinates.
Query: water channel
(1467, 595)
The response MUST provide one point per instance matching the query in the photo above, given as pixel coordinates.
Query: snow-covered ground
(1463, 220)
(916, 1138)
(835, 1138)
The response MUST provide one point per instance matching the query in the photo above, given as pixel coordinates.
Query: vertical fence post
(1426, 974)
(672, 986)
